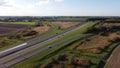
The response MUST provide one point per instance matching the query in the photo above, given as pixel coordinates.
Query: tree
(39, 23)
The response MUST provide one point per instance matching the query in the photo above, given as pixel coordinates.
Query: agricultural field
(6, 29)
(65, 25)
(22, 23)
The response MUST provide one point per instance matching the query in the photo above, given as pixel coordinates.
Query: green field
(24, 23)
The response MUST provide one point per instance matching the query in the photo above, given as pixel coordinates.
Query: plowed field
(6, 29)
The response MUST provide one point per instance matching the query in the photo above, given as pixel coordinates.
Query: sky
(59, 7)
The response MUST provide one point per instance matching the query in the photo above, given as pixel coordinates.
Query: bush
(55, 61)
(61, 65)
(30, 33)
(62, 57)
(71, 60)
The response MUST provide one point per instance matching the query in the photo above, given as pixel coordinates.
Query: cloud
(5, 2)
(59, 0)
(23, 7)
(42, 2)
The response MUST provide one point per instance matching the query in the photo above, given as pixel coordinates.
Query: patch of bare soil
(96, 43)
(65, 25)
(35, 31)
(111, 24)
(108, 25)
(30, 33)
(42, 29)
(68, 61)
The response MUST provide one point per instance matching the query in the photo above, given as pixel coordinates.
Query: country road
(114, 60)
(26, 50)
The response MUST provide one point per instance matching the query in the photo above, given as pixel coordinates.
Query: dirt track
(114, 60)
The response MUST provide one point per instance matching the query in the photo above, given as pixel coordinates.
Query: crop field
(6, 29)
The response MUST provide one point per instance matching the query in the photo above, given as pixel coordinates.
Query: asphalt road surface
(13, 62)
(114, 60)
(26, 50)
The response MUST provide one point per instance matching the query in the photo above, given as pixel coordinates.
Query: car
(49, 47)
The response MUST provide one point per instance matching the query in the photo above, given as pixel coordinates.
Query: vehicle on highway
(49, 47)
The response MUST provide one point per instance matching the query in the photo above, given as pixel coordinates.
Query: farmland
(9, 28)
(65, 25)
(20, 23)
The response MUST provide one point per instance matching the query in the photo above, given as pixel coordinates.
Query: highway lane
(11, 63)
(30, 43)
(114, 60)
(26, 50)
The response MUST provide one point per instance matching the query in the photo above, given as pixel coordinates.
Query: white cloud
(5, 2)
(45, 2)
(42, 2)
(59, 0)
(41, 7)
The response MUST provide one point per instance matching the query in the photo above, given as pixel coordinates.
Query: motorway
(114, 60)
(11, 63)
(37, 41)
(37, 45)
